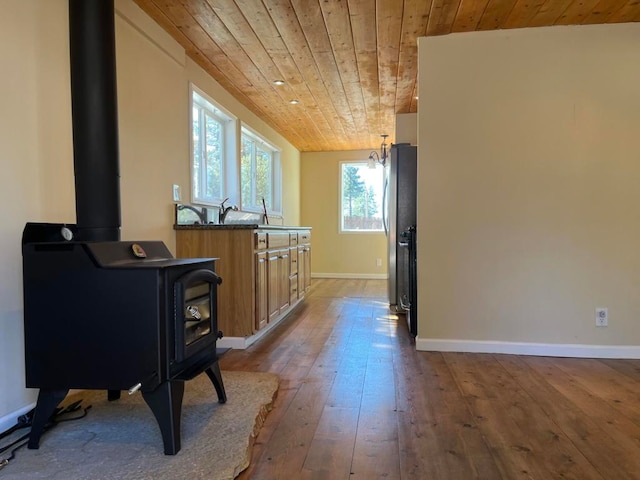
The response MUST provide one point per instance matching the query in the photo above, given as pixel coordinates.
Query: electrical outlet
(602, 317)
(378, 262)
(176, 193)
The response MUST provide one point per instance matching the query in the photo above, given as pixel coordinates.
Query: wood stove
(100, 313)
(116, 316)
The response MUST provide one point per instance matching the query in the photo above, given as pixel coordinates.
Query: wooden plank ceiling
(351, 64)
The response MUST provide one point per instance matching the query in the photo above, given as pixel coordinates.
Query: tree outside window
(258, 172)
(210, 133)
(361, 192)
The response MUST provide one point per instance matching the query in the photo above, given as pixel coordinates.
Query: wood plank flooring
(357, 401)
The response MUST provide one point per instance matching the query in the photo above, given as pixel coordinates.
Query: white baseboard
(359, 276)
(241, 343)
(10, 419)
(520, 348)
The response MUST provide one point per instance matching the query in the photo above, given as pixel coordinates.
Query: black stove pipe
(95, 119)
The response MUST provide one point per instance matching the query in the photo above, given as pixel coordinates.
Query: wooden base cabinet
(262, 272)
(293, 273)
(304, 262)
(278, 268)
(262, 290)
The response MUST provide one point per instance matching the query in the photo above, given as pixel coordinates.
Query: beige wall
(153, 121)
(529, 172)
(36, 151)
(407, 128)
(350, 255)
(34, 126)
(153, 99)
(290, 156)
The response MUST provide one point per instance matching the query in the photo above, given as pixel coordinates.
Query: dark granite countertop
(236, 226)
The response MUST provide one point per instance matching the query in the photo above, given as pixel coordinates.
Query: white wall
(528, 202)
(36, 152)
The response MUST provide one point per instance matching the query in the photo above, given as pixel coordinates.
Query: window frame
(275, 209)
(341, 229)
(228, 122)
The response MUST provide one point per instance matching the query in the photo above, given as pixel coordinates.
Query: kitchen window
(260, 174)
(212, 150)
(361, 202)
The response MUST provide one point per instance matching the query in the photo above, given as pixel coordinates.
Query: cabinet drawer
(304, 236)
(277, 240)
(260, 240)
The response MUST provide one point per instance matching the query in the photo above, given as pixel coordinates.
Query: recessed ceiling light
(278, 82)
(294, 102)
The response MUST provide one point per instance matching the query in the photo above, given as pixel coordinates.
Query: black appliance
(100, 313)
(400, 194)
(116, 316)
(408, 258)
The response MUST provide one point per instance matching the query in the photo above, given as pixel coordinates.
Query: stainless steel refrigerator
(400, 189)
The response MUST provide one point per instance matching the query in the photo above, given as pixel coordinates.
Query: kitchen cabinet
(273, 285)
(279, 268)
(262, 290)
(283, 279)
(278, 282)
(304, 262)
(260, 270)
(293, 274)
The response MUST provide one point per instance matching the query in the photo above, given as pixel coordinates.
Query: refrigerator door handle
(385, 207)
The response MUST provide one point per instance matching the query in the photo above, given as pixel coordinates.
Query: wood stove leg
(166, 404)
(216, 378)
(48, 400)
(113, 395)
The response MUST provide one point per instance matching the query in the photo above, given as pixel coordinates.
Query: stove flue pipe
(95, 119)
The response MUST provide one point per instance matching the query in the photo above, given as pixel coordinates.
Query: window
(213, 145)
(260, 173)
(361, 197)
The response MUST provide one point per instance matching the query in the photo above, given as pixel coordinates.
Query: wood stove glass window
(197, 315)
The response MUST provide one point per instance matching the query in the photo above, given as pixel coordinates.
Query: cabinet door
(272, 273)
(293, 260)
(262, 290)
(293, 289)
(307, 268)
(283, 278)
(301, 272)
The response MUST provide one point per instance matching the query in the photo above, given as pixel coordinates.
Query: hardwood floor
(357, 401)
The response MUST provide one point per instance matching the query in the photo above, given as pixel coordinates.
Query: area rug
(121, 439)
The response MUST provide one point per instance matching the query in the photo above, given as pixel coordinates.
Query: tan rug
(121, 440)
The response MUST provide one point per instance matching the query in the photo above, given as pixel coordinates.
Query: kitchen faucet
(224, 210)
(201, 212)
